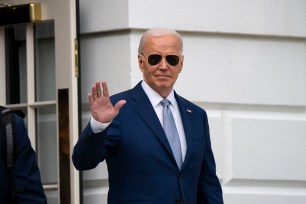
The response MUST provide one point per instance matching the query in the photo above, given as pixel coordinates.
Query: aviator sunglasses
(154, 59)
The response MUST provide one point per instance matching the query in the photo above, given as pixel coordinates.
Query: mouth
(163, 76)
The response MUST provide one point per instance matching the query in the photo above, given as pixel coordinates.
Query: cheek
(143, 67)
(146, 73)
(177, 71)
(180, 68)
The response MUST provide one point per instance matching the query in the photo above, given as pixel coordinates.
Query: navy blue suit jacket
(141, 166)
(25, 173)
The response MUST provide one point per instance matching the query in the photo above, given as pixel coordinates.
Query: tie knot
(165, 102)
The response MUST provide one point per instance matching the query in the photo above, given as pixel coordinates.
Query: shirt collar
(155, 98)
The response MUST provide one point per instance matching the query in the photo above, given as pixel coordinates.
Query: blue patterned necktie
(171, 132)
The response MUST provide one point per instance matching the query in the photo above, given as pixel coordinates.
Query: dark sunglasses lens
(154, 59)
(172, 59)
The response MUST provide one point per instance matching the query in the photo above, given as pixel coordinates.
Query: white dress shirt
(155, 100)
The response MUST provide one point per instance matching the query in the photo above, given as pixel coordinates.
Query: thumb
(119, 105)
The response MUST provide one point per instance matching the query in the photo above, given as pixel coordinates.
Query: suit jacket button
(179, 176)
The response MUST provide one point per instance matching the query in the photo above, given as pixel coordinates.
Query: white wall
(245, 63)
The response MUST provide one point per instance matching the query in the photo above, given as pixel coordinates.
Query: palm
(101, 107)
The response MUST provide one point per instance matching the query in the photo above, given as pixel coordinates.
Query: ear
(140, 62)
(181, 63)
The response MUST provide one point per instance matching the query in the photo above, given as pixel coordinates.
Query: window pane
(47, 144)
(44, 61)
(52, 196)
(16, 66)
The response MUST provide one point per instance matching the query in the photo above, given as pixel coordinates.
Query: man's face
(161, 76)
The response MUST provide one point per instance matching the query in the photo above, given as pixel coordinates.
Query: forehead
(162, 43)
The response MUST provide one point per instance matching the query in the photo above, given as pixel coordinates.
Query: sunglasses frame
(161, 56)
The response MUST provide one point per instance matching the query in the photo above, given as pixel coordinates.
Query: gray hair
(158, 32)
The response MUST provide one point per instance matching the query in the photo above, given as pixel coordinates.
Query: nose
(163, 64)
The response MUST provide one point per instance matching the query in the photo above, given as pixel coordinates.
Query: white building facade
(245, 64)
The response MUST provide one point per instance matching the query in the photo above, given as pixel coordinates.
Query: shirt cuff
(97, 126)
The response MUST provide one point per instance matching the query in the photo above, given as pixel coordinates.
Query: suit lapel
(143, 107)
(186, 114)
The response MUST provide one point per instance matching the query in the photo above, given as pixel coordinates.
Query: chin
(163, 84)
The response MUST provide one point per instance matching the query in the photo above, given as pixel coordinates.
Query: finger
(98, 89)
(90, 99)
(91, 103)
(119, 105)
(94, 92)
(105, 89)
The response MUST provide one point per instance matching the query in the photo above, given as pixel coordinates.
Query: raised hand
(101, 107)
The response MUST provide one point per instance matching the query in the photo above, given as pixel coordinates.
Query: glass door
(38, 75)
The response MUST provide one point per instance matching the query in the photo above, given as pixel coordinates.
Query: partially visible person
(23, 179)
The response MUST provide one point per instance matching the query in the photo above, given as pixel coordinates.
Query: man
(24, 177)
(132, 135)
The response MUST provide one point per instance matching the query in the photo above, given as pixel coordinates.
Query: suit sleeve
(25, 173)
(89, 151)
(209, 190)
(92, 148)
